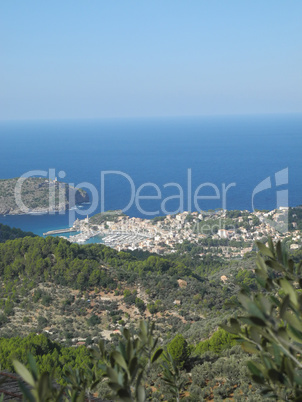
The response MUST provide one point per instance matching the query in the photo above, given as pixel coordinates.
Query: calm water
(240, 150)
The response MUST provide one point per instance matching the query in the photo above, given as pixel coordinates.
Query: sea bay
(216, 151)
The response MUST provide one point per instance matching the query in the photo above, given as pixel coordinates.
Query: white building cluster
(163, 234)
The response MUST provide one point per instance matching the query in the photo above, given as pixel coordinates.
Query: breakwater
(58, 231)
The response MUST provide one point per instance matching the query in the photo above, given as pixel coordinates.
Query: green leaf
(139, 378)
(255, 368)
(250, 306)
(275, 265)
(81, 396)
(289, 370)
(296, 335)
(255, 335)
(262, 282)
(33, 366)
(293, 320)
(114, 386)
(133, 366)
(265, 304)
(235, 324)
(141, 394)
(24, 373)
(143, 328)
(122, 349)
(261, 266)
(264, 250)
(284, 306)
(156, 355)
(267, 361)
(279, 251)
(124, 395)
(257, 321)
(298, 378)
(249, 347)
(266, 391)
(231, 330)
(119, 360)
(271, 245)
(275, 300)
(112, 374)
(101, 347)
(258, 379)
(277, 354)
(25, 391)
(282, 333)
(288, 289)
(275, 375)
(291, 265)
(155, 342)
(126, 334)
(43, 385)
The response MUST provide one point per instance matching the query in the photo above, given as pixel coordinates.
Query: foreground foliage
(124, 369)
(272, 327)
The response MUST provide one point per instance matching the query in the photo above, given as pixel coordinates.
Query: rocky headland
(38, 195)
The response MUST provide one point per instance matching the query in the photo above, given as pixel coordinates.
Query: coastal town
(228, 234)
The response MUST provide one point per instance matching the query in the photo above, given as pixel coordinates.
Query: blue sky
(93, 59)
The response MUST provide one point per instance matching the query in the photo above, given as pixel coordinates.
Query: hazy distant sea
(242, 150)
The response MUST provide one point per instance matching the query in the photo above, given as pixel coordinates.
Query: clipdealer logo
(281, 179)
(186, 199)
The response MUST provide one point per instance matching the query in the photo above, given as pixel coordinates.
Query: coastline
(165, 234)
(40, 224)
(44, 211)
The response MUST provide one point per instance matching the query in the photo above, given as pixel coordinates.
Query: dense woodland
(8, 233)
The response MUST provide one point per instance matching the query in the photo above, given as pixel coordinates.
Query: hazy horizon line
(151, 117)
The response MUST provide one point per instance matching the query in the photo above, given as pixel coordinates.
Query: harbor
(116, 238)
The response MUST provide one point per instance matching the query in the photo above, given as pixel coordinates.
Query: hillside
(50, 283)
(38, 195)
(8, 233)
(78, 295)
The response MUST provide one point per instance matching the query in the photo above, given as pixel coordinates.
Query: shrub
(93, 320)
(272, 326)
(178, 349)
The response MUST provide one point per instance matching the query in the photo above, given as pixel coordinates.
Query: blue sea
(173, 160)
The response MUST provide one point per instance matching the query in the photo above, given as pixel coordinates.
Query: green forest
(61, 302)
